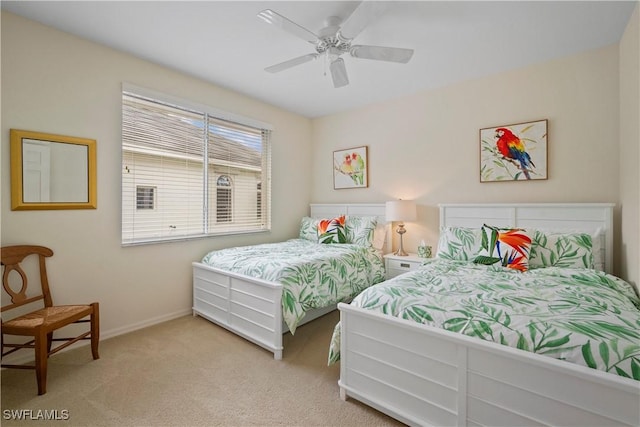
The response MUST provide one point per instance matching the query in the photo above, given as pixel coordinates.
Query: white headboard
(330, 210)
(585, 217)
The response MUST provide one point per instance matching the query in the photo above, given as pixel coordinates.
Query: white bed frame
(422, 375)
(250, 307)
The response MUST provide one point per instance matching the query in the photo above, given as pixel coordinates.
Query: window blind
(209, 175)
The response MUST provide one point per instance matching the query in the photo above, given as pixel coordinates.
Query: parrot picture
(353, 166)
(512, 149)
(358, 168)
(346, 167)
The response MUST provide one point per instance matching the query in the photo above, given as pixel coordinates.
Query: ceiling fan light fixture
(339, 73)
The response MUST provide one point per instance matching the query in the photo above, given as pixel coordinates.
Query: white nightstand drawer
(402, 265)
(396, 265)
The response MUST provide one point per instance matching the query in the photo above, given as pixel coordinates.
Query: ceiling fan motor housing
(330, 40)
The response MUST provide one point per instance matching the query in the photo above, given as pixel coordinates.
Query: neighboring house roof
(181, 134)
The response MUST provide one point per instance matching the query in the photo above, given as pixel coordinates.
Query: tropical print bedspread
(584, 316)
(313, 275)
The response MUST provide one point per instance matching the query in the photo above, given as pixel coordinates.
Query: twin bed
(417, 372)
(260, 292)
(422, 361)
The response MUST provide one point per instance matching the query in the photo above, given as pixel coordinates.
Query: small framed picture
(350, 168)
(516, 152)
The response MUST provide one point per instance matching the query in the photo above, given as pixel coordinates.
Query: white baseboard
(144, 324)
(24, 357)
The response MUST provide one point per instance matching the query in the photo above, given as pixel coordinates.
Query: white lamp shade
(401, 210)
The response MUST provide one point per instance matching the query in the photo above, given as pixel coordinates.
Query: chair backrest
(11, 257)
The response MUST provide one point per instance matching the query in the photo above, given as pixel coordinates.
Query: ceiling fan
(335, 39)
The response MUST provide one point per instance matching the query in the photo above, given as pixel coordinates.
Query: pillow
(459, 243)
(332, 230)
(309, 228)
(508, 246)
(360, 230)
(561, 249)
(380, 236)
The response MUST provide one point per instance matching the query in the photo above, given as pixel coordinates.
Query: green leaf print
(418, 314)
(632, 349)
(604, 352)
(588, 356)
(522, 343)
(621, 372)
(503, 340)
(557, 342)
(288, 300)
(635, 369)
(532, 331)
(486, 260)
(455, 325)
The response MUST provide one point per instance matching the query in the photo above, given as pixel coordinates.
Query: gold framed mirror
(52, 171)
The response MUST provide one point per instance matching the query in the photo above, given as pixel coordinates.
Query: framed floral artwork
(516, 152)
(350, 168)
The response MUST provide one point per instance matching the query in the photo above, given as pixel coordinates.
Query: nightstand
(396, 264)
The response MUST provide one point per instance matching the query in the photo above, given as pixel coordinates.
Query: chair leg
(95, 330)
(42, 356)
(49, 341)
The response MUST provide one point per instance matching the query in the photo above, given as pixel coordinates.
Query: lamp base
(400, 251)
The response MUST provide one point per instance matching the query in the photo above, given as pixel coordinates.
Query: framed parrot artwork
(516, 152)
(350, 168)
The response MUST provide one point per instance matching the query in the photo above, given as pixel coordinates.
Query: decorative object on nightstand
(424, 250)
(401, 210)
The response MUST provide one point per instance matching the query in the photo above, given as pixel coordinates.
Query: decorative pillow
(332, 230)
(360, 230)
(508, 246)
(309, 228)
(557, 249)
(459, 243)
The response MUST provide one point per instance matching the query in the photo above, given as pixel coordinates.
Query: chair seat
(48, 317)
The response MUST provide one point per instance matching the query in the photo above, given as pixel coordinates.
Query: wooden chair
(40, 324)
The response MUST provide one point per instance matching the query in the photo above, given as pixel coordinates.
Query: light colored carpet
(190, 372)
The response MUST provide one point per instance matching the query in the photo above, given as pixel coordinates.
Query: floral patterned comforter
(580, 315)
(313, 275)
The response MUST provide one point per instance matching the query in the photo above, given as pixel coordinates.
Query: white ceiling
(225, 43)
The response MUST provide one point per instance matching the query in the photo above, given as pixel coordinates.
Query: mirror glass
(52, 171)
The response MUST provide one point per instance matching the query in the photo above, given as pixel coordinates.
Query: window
(259, 200)
(223, 199)
(145, 197)
(189, 171)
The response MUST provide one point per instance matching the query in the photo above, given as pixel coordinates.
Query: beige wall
(425, 147)
(630, 148)
(56, 83)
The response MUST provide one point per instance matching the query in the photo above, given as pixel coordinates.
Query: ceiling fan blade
(359, 18)
(381, 53)
(273, 18)
(291, 63)
(339, 73)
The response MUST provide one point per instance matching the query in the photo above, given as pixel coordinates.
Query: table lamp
(401, 210)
